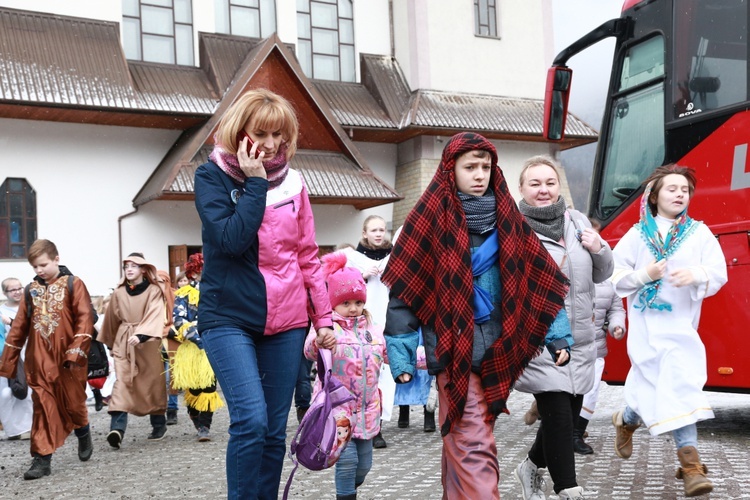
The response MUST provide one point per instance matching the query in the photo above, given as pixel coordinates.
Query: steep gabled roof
(270, 64)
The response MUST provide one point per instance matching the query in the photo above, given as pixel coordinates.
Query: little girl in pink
(357, 358)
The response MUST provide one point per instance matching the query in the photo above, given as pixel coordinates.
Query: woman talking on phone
(261, 282)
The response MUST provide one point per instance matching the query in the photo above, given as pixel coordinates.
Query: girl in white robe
(665, 265)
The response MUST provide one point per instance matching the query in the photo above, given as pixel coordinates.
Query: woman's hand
(590, 240)
(325, 338)
(251, 166)
(404, 378)
(562, 357)
(656, 269)
(134, 340)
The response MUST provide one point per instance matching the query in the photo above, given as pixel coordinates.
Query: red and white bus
(678, 93)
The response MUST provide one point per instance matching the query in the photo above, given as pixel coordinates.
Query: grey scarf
(481, 211)
(548, 220)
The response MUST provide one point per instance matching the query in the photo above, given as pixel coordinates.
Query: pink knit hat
(344, 283)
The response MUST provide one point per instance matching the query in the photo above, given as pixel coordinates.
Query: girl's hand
(562, 357)
(681, 277)
(656, 269)
(373, 271)
(618, 333)
(325, 338)
(590, 240)
(133, 340)
(404, 378)
(251, 166)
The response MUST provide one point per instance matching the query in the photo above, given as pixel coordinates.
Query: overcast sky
(571, 20)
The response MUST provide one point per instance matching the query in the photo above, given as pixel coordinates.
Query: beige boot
(693, 472)
(532, 415)
(624, 436)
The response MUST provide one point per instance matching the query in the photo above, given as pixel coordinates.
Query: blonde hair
(538, 160)
(261, 109)
(363, 241)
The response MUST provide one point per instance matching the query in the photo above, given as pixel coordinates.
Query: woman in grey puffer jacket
(585, 259)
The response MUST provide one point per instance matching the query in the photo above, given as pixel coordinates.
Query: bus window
(635, 133)
(710, 55)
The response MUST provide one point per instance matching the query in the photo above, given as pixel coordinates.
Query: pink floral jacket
(357, 358)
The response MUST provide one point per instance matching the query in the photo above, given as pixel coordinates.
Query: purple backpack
(326, 428)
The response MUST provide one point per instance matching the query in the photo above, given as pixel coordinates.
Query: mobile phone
(241, 135)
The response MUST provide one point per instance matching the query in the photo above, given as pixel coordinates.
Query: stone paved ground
(179, 467)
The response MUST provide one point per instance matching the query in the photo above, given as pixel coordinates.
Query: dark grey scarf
(548, 220)
(481, 211)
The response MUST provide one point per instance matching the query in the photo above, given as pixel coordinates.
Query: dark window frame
(17, 212)
(490, 26)
(172, 38)
(310, 27)
(260, 9)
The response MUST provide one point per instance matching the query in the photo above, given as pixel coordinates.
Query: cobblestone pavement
(180, 467)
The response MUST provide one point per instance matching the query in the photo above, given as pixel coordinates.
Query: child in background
(665, 265)
(59, 331)
(360, 349)
(181, 280)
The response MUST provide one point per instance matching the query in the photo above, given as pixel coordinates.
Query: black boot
(98, 402)
(171, 416)
(403, 416)
(40, 466)
(346, 497)
(85, 447)
(379, 441)
(579, 445)
(429, 421)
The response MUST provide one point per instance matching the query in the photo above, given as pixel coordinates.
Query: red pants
(469, 461)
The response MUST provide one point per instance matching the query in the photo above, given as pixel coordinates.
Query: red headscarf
(430, 270)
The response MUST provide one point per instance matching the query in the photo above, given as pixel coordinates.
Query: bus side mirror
(556, 102)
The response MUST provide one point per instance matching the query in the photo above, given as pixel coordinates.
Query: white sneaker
(572, 494)
(532, 480)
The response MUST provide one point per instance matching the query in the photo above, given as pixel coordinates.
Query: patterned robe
(58, 330)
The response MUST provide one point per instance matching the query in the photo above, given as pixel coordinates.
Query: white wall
(85, 177)
(437, 48)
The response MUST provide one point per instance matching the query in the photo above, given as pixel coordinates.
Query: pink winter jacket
(357, 358)
(288, 260)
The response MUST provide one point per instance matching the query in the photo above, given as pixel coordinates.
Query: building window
(251, 18)
(325, 39)
(158, 31)
(485, 18)
(17, 218)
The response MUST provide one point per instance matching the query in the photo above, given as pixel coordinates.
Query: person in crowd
(261, 282)
(182, 280)
(303, 388)
(192, 371)
(133, 328)
(469, 271)
(666, 265)
(585, 259)
(358, 356)
(370, 258)
(16, 408)
(58, 325)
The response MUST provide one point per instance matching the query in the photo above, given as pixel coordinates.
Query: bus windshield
(635, 133)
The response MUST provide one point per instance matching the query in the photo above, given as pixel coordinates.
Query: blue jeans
(257, 375)
(353, 465)
(119, 421)
(684, 436)
(171, 398)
